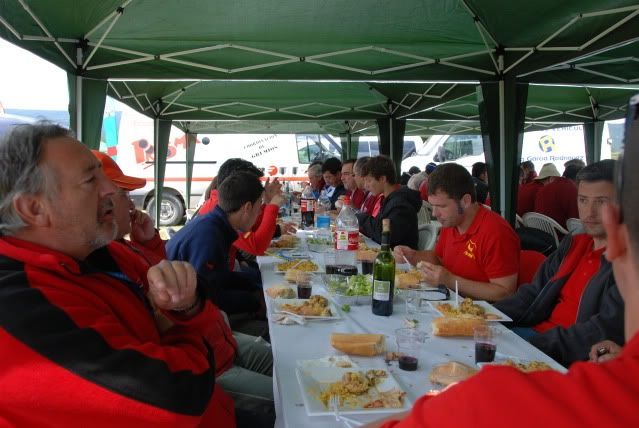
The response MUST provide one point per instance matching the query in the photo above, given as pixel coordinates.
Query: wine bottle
(384, 275)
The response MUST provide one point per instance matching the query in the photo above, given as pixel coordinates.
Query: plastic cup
(409, 344)
(413, 300)
(367, 267)
(304, 285)
(330, 261)
(485, 346)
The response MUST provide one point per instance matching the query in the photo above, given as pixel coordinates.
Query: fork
(348, 422)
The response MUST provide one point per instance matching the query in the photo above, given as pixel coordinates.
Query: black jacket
(600, 315)
(401, 207)
(339, 191)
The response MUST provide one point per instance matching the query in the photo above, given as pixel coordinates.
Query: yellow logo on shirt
(470, 249)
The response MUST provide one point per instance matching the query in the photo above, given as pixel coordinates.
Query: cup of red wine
(304, 285)
(367, 267)
(409, 346)
(485, 346)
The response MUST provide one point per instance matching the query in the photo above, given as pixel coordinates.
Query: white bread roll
(366, 345)
(449, 326)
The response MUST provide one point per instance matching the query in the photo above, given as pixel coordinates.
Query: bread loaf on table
(365, 345)
(450, 326)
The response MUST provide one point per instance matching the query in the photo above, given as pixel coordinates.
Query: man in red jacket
(85, 347)
(589, 394)
(243, 363)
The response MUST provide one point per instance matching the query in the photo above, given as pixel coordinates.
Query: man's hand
(271, 188)
(402, 251)
(172, 285)
(436, 274)
(277, 199)
(142, 229)
(604, 351)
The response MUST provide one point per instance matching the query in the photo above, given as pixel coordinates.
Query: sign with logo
(547, 144)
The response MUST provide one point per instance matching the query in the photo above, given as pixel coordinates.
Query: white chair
(574, 226)
(519, 222)
(427, 236)
(544, 223)
(423, 215)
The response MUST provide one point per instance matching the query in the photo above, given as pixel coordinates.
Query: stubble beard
(104, 235)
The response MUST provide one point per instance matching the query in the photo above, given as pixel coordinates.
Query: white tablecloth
(311, 341)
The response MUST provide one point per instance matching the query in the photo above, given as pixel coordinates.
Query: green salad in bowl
(350, 290)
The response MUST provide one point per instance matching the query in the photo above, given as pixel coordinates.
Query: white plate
(295, 254)
(276, 307)
(490, 309)
(313, 380)
(501, 358)
(330, 361)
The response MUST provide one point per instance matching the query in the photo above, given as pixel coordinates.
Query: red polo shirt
(526, 197)
(558, 200)
(565, 312)
(357, 198)
(372, 204)
(488, 249)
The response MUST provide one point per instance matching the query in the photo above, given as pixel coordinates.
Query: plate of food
(320, 245)
(366, 255)
(409, 280)
(358, 391)
(297, 264)
(317, 307)
(469, 308)
(523, 364)
(294, 254)
(285, 241)
(281, 292)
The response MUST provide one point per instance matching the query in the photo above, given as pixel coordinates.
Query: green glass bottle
(384, 275)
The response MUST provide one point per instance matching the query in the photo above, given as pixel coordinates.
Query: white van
(553, 145)
(128, 138)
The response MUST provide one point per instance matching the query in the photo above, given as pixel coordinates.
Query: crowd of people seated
(109, 323)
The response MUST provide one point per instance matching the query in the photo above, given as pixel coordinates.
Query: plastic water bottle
(307, 207)
(322, 216)
(347, 234)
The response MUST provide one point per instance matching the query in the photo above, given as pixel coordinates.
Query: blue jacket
(205, 242)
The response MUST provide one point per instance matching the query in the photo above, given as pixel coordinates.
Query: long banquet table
(291, 343)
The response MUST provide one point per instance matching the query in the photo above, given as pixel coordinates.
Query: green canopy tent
(496, 43)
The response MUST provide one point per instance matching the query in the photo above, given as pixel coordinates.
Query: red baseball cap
(113, 171)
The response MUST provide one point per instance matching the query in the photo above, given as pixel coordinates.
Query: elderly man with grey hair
(79, 317)
(315, 178)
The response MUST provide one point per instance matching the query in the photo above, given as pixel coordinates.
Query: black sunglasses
(631, 132)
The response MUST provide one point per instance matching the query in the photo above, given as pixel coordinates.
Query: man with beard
(573, 301)
(589, 394)
(476, 249)
(85, 347)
